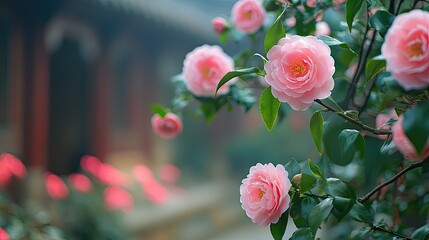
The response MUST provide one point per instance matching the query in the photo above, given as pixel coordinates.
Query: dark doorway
(69, 108)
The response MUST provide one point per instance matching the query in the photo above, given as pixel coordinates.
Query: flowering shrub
(369, 180)
(88, 204)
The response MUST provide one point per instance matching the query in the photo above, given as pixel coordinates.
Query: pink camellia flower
(264, 193)
(15, 166)
(111, 176)
(299, 70)
(322, 28)
(3, 234)
(91, 164)
(311, 3)
(169, 173)
(55, 186)
(404, 145)
(204, 67)
(116, 198)
(248, 15)
(406, 49)
(143, 174)
(381, 119)
(155, 192)
(168, 126)
(219, 24)
(80, 182)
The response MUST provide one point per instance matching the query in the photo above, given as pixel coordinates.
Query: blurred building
(78, 76)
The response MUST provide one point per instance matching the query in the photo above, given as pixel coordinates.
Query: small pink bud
(167, 127)
(219, 25)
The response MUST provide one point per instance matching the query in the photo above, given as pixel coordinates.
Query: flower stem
(399, 174)
(354, 121)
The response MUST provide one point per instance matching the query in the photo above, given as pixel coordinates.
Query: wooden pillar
(99, 115)
(37, 96)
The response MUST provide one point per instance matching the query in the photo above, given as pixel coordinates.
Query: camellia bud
(219, 25)
(296, 180)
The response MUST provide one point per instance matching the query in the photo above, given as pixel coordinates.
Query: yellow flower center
(261, 194)
(415, 49)
(247, 15)
(205, 71)
(298, 68)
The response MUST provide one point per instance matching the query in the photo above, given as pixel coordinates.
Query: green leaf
(338, 188)
(360, 234)
(361, 214)
(307, 182)
(349, 138)
(421, 233)
(315, 169)
(374, 67)
(278, 229)
(209, 111)
(269, 107)
(223, 37)
(159, 109)
(293, 168)
(330, 41)
(381, 21)
(275, 33)
(342, 206)
(316, 128)
(302, 234)
(319, 213)
(236, 73)
(416, 124)
(352, 8)
(331, 130)
(300, 210)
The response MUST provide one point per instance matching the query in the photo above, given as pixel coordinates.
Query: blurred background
(78, 77)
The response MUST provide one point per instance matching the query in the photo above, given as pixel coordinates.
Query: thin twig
(377, 228)
(355, 121)
(399, 174)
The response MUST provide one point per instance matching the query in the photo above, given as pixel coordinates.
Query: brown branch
(377, 228)
(354, 121)
(399, 174)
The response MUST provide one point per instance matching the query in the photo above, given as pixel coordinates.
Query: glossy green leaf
(316, 128)
(331, 130)
(293, 168)
(319, 213)
(374, 67)
(421, 233)
(302, 234)
(381, 21)
(300, 210)
(416, 124)
(307, 183)
(342, 206)
(352, 8)
(330, 41)
(275, 33)
(159, 109)
(360, 234)
(339, 188)
(278, 229)
(268, 107)
(361, 214)
(315, 169)
(349, 138)
(230, 75)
